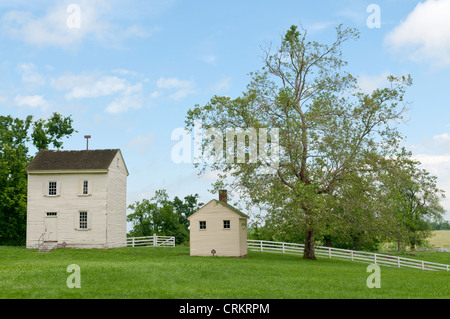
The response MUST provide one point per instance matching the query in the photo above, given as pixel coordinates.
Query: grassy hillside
(171, 273)
(440, 238)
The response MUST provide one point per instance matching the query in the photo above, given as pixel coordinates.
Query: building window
(226, 224)
(85, 187)
(203, 225)
(83, 220)
(52, 214)
(52, 188)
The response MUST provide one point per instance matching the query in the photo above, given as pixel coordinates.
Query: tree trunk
(328, 242)
(413, 243)
(308, 253)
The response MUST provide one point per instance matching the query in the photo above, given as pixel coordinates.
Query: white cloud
(127, 72)
(31, 101)
(30, 74)
(438, 144)
(3, 98)
(170, 83)
(141, 142)
(89, 86)
(155, 94)
(223, 84)
(182, 88)
(444, 137)
(210, 59)
(318, 26)
(126, 95)
(368, 83)
(441, 143)
(181, 94)
(424, 36)
(124, 103)
(52, 28)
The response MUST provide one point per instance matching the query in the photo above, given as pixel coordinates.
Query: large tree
(16, 136)
(329, 131)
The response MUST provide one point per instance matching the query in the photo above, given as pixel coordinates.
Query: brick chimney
(223, 196)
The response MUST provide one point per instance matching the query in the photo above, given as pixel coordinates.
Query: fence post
(351, 253)
(375, 259)
(398, 262)
(283, 248)
(329, 252)
(261, 245)
(154, 240)
(132, 244)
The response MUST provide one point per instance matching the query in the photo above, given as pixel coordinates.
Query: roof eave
(67, 171)
(228, 206)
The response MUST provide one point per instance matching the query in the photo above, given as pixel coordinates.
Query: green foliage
(13, 179)
(51, 131)
(440, 225)
(15, 136)
(163, 217)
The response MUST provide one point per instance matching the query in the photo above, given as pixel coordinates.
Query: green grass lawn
(167, 272)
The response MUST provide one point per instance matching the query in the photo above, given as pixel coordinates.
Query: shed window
(83, 220)
(52, 188)
(202, 224)
(226, 224)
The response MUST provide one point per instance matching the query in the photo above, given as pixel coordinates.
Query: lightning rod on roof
(87, 137)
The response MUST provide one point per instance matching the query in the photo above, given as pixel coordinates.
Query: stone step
(47, 246)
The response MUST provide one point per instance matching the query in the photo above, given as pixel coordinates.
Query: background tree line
(164, 217)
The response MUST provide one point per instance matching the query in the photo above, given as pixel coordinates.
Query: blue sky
(132, 69)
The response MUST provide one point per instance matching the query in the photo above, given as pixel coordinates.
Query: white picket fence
(151, 241)
(330, 252)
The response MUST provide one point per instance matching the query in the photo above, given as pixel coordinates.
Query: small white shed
(218, 229)
(77, 199)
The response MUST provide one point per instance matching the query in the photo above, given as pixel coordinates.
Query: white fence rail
(330, 252)
(151, 241)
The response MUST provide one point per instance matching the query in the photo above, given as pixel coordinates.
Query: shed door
(50, 226)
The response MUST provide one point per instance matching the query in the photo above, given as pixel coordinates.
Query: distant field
(169, 272)
(440, 238)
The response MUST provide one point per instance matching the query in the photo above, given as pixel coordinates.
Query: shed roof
(72, 160)
(234, 210)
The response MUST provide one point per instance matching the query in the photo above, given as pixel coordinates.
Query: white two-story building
(77, 199)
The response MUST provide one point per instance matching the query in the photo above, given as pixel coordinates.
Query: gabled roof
(217, 202)
(72, 160)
